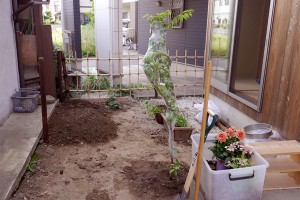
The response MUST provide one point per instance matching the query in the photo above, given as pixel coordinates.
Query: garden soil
(100, 154)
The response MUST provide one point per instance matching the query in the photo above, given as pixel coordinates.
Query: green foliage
(218, 150)
(153, 109)
(174, 168)
(125, 90)
(239, 162)
(91, 14)
(57, 39)
(112, 103)
(47, 18)
(220, 45)
(164, 18)
(33, 162)
(181, 121)
(121, 90)
(88, 40)
(94, 82)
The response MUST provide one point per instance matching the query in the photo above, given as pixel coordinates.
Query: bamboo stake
(195, 72)
(203, 127)
(185, 62)
(207, 87)
(139, 58)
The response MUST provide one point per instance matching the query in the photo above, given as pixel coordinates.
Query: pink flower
(248, 149)
(231, 147)
(240, 134)
(222, 137)
(230, 132)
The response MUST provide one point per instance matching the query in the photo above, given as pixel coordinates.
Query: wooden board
(277, 148)
(276, 181)
(282, 164)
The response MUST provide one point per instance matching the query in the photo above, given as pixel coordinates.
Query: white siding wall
(9, 80)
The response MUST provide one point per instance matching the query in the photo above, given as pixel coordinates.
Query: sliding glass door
(242, 65)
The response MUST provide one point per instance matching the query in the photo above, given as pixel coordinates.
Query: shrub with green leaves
(112, 103)
(152, 110)
(33, 162)
(164, 18)
(174, 168)
(181, 121)
(88, 40)
(94, 82)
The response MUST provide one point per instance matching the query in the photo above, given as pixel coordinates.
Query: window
(239, 48)
(176, 9)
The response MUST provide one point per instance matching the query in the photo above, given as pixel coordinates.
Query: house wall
(9, 79)
(281, 104)
(191, 37)
(85, 6)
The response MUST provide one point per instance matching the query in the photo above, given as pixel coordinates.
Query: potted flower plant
(182, 130)
(156, 111)
(230, 150)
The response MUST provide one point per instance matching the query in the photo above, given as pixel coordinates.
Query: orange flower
(222, 137)
(240, 134)
(230, 132)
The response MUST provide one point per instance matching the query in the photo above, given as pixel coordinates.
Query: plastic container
(25, 100)
(231, 184)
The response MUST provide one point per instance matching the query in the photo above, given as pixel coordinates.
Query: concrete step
(19, 136)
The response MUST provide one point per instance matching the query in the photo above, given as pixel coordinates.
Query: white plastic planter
(232, 184)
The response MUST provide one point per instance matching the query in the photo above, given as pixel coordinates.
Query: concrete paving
(19, 136)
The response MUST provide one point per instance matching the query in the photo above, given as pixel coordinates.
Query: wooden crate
(284, 161)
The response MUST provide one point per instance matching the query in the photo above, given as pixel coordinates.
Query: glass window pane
(249, 46)
(222, 29)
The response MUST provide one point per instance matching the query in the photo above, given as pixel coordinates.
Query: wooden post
(59, 74)
(43, 100)
(208, 32)
(65, 75)
(203, 127)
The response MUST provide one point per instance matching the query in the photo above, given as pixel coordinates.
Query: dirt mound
(80, 121)
(148, 179)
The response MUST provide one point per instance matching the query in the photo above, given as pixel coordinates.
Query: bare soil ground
(101, 154)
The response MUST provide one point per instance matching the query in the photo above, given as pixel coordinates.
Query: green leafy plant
(33, 162)
(230, 147)
(47, 18)
(164, 18)
(153, 109)
(112, 103)
(174, 168)
(125, 90)
(239, 162)
(181, 121)
(91, 13)
(88, 40)
(95, 83)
